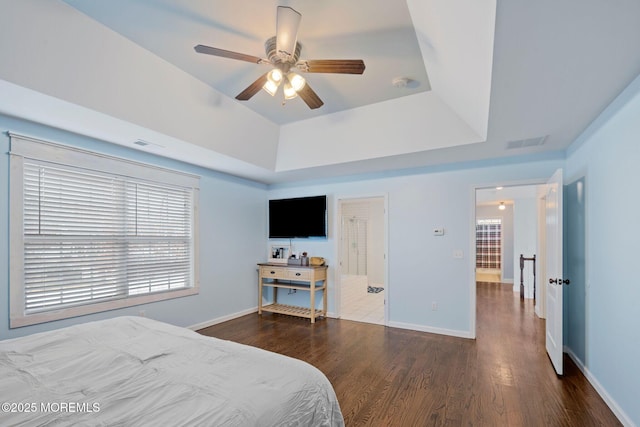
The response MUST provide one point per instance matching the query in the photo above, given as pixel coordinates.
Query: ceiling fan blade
(310, 97)
(287, 24)
(253, 88)
(228, 54)
(341, 66)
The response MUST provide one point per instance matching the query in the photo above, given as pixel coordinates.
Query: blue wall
(608, 156)
(232, 235)
(422, 268)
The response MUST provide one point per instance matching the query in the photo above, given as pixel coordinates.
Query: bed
(134, 371)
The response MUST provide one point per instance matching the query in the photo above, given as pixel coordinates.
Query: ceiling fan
(283, 53)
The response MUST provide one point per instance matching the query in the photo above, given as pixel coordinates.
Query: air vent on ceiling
(144, 143)
(524, 143)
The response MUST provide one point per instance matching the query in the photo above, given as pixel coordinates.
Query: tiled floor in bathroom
(358, 304)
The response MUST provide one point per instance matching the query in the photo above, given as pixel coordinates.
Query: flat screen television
(298, 217)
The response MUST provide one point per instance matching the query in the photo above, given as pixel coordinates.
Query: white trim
(235, 315)
(16, 239)
(472, 264)
(610, 401)
(337, 224)
(541, 259)
(82, 310)
(55, 152)
(472, 241)
(431, 330)
(222, 319)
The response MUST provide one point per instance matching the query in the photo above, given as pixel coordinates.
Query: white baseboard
(611, 403)
(432, 330)
(222, 319)
(538, 312)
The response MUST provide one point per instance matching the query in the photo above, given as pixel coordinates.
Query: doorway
(363, 287)
(506, 224)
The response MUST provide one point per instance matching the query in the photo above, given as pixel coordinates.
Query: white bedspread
(132, 371)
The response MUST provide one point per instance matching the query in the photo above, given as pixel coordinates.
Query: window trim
(24, 147)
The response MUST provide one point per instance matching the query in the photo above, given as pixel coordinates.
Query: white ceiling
(378, 31)
(498, 73)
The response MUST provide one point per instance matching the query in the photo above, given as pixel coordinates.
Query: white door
(554, 280)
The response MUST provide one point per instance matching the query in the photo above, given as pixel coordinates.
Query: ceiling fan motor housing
(281, 59)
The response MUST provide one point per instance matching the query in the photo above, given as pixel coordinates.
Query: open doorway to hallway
(549, 217)
(363, 287)
(507, 223)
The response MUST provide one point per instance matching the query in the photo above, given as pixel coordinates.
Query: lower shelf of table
(292, 310)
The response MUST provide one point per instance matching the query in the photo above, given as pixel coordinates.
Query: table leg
(259, 294)
(313, 300)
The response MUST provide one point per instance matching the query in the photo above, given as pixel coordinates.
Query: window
(85, 238)
(489, 243)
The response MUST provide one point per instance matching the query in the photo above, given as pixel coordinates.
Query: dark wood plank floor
(394, 377)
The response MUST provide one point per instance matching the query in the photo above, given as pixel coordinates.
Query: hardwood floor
(394, 377)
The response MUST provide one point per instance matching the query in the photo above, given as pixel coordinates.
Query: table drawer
(299, 274)
(274, 272)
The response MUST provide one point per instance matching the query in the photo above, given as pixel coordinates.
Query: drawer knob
(297, 274)
(273, 272)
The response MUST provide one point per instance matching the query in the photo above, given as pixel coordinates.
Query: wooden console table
(293, 277)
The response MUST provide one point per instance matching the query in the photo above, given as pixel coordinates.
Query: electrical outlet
(434, 306)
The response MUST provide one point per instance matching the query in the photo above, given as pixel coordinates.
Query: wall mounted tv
(299, 217)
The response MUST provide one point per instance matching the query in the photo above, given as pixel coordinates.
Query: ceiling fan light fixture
(289, 91)
(270, 87)
(283, 54)
(297, 81)
(274, 78)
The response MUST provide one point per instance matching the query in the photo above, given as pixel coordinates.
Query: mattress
(134, 371)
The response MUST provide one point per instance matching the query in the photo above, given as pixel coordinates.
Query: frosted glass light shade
(289, 91)
(274, 78)
(270, 87)
(297, 81)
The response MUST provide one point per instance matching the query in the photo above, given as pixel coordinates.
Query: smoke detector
(400, 82)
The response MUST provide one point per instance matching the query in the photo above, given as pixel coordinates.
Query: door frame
(337, 222)
(541, 261)
(472, 242)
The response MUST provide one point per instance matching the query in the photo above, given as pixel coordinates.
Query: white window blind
(91, 239)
